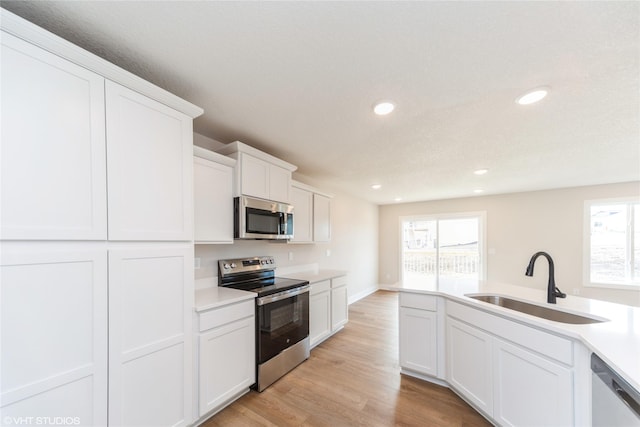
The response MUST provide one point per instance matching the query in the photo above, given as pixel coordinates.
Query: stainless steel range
(282, 315)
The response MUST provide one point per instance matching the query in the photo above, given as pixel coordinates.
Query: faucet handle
(559, 293)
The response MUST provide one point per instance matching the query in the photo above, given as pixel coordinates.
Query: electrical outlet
(576, 291)
(290, 256)
(328, 252)
(196, 263)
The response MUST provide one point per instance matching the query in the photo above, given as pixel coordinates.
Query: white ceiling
(298, 80)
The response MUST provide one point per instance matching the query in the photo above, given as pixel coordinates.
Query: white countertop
(616, 341)
(218, 296)
(316, 276)
(208, 295)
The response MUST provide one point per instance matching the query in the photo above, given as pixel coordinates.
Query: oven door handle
(283, 295)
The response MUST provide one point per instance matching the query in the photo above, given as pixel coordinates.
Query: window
(443, 246)
(612, 243)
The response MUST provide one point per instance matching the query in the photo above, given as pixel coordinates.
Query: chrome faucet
(552, 291)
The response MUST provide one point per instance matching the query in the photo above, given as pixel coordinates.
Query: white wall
(518, 225)
(353, 246)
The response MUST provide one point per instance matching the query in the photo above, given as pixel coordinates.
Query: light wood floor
(353, 379)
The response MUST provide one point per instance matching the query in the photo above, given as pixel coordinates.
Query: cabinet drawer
(339, 281)
(318, 287)
(547, 344)
(420, 301)
(223, 315)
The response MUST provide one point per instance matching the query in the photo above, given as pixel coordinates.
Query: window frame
(586, 246)
(482, 237)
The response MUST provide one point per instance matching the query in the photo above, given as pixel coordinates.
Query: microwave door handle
(283, 218)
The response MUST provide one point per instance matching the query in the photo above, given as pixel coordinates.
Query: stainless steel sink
(537, 310)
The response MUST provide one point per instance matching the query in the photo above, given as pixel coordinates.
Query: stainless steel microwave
(262, 219)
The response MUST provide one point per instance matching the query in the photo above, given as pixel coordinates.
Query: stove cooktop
(278, 284)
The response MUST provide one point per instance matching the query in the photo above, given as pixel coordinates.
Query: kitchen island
(491, 355)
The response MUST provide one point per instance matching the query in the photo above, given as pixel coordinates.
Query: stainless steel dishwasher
(614, 403)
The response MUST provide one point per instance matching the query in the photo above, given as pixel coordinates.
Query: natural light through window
(443, 246)
(612, 243)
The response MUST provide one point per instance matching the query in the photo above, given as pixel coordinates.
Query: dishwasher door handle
(626, 398)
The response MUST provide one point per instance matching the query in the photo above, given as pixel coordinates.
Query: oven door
(283, 320)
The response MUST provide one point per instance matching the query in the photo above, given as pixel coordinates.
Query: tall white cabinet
(54, 331)
(150, 347)
(53, 147)
(149, 162)
(96, 238)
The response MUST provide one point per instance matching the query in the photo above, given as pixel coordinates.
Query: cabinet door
(254, 176)
(418, 340)
(212, 201)
(54, 333)
(339, 307)
(469, 363)
(53, 182)
(530, 390)
(149, 161)
(319, 317)
(321, 218)
(279, 184)
(302, 201)
(227, 363)
(150, 353)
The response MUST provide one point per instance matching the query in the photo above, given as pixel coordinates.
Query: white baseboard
(362, 294)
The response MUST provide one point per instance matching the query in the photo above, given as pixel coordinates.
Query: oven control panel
(244, 265)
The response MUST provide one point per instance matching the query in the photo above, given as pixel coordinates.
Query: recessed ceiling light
(478, 191)
(383, 108)
(398, 199)
(533, 96)
(376, 186)
(481, 171)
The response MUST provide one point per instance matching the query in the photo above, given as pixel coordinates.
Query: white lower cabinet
(339, 303)
(515, 374)
(54, 333)
(226, 355)
(418, 340)
(150, 335)
(418, 321)
(319, 312)
(469, 364)
(529, 389)
(328, 308)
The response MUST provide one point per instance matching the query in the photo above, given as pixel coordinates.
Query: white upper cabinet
(311, 215)
(302, 201)
(212, 197)
(259, 174)
(321, 218)
(53, 147)
(279, 184)
(254, 177)
(149, 158)
(259, 178)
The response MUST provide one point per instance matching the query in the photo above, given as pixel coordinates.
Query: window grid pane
(609, 244)
(439, 248)
(458, 248)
